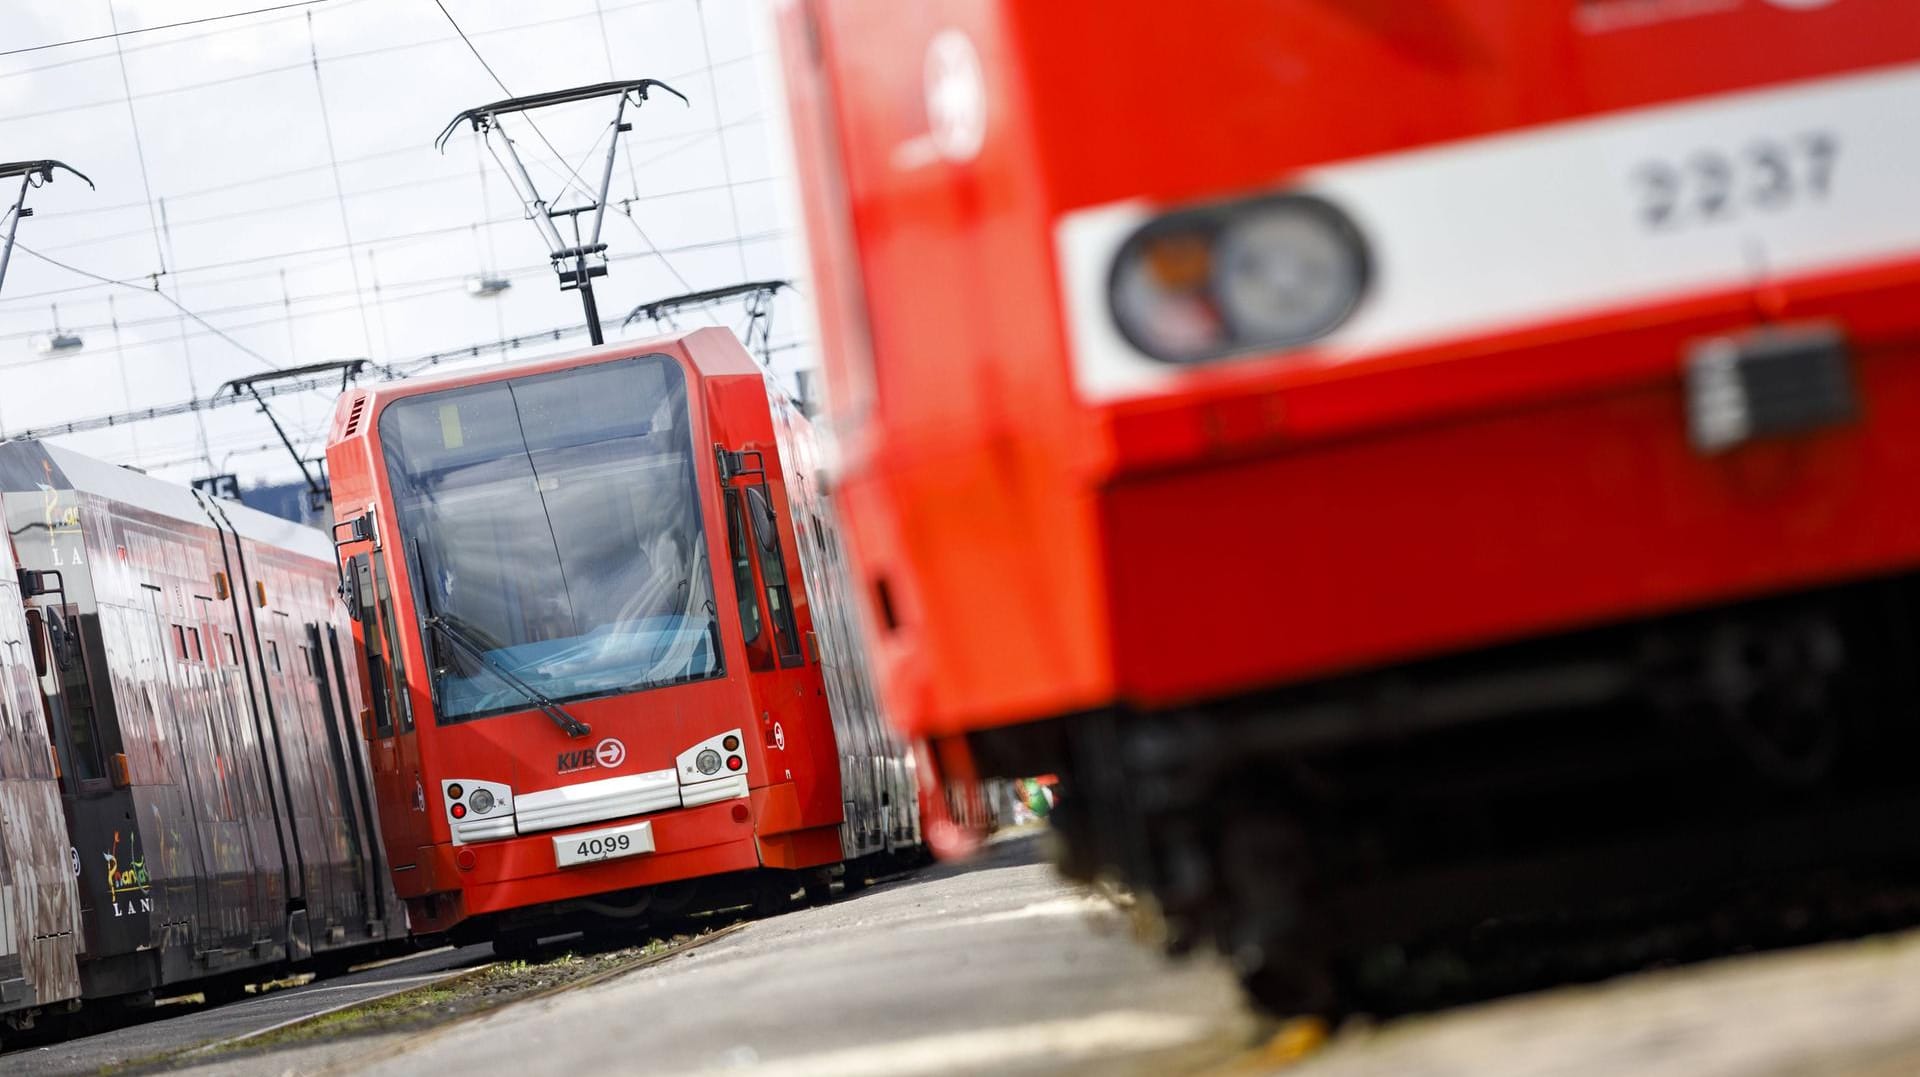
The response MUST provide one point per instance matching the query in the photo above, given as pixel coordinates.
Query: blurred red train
(1399, 463)
(611, 670)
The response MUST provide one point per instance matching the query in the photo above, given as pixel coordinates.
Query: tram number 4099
(595, 845)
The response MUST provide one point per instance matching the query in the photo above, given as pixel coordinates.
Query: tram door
(349, 766)
(38, 880)
(164, 698)
(393, 747)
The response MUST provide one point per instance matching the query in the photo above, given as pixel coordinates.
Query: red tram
(1400, 464)
(182, 792)
(609, 676)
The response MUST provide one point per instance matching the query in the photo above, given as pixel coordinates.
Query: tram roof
(27, 466)
(697, 344)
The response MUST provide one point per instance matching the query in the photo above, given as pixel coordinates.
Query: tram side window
(773, 569)
(758, 657)
(61, 662)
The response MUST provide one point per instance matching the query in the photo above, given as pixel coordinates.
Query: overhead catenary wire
(162, 241)
(214, 329)
(180, 329)
(287, 388)
(281, 69)
(93, 240)
(339, 189)
(126, 380)
(139, 146)
(118, 33)
(171, 41)
(410, 288)
(329, 382)
(726, 158)
(606, 49)
(280, 256)
(217, 331)
(333, 8)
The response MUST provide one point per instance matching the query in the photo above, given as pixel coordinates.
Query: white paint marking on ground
(418, 978)
(391, 988)
(1055, 1043)
(385, 961)
(1079, 905)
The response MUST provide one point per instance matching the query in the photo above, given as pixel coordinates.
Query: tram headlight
(481, 801)
(1268, 273)
(708, 762)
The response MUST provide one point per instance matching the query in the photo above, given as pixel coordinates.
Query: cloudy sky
(298, 251)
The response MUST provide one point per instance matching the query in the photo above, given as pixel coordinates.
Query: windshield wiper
(574, 727)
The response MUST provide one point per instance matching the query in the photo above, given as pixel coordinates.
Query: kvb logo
(608, 753)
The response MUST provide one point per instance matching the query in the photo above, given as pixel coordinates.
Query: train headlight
(481, 802)
(1257, 275)
(708, 762)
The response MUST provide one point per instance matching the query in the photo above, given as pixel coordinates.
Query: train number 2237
(1714, 185)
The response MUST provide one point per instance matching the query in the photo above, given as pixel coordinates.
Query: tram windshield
(553, 522)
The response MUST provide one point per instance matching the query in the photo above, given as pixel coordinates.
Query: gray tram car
(179, 687)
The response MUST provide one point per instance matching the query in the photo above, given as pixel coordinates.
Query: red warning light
(459, 811)
(734, 763)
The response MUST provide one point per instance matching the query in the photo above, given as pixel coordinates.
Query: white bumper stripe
(483, 828)
(733, 785)
(591, 802)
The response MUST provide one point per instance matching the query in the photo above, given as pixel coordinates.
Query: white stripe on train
(1498, 233)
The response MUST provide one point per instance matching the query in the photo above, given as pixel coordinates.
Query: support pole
(593, 309)
(13, 227)
(312, 486)
(606, 174)
(523, 186)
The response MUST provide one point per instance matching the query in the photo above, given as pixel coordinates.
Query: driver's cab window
(740, 552)
(773, 569)
(373, 631)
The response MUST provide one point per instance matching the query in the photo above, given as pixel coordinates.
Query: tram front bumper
(518, 872)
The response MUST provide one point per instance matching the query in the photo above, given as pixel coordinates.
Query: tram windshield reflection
(554, 521)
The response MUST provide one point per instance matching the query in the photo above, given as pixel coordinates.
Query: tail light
(1246, 276)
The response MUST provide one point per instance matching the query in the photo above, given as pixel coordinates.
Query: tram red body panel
(757, 677)
(1495, 444)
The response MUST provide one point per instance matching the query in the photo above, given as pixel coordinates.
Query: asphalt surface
(192, 1025)
(997, 967)
(1844, 1008)
(994, 966)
